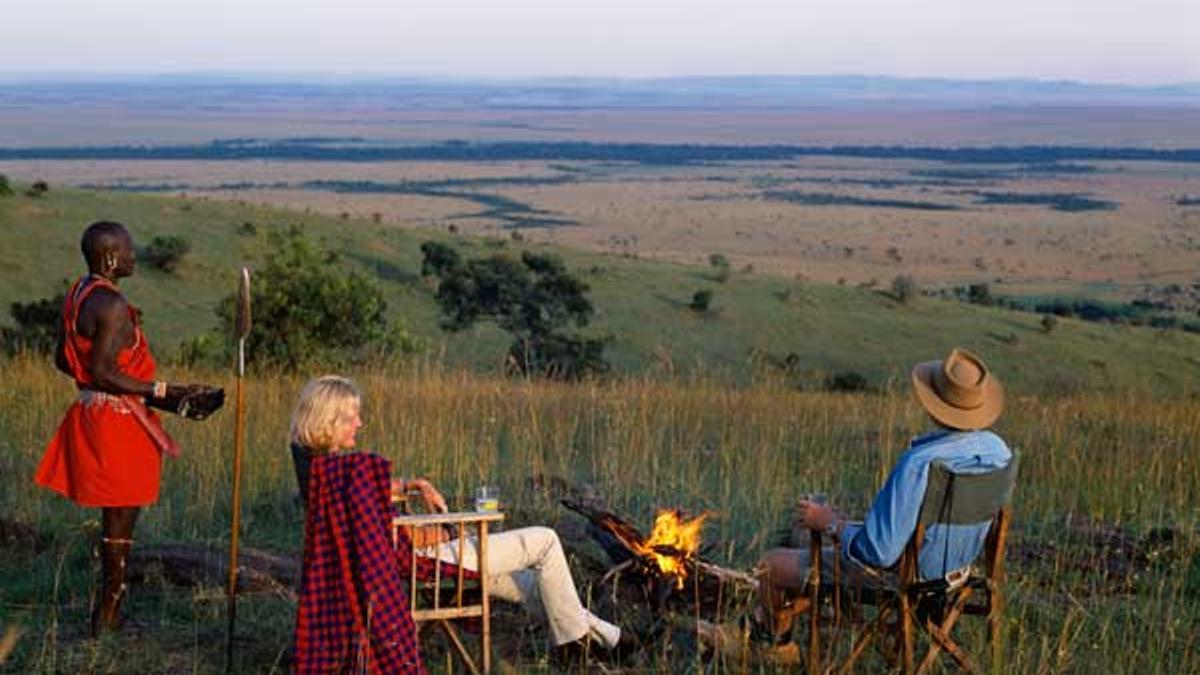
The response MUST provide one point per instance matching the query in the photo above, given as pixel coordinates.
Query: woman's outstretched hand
(434, 500)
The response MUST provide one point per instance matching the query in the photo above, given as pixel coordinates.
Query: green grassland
(1104, 570)
(641, 304)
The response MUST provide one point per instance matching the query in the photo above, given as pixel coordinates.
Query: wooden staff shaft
(239, 443)
(242, 331)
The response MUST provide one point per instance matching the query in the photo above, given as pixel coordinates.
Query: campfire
(672, 544)
(661, 579)
(665, 558)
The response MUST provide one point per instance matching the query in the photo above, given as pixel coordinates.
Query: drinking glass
(487, 498)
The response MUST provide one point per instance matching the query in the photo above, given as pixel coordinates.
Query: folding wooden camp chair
(935, 605)
(428, 598)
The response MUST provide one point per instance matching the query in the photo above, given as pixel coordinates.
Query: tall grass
(741, 453)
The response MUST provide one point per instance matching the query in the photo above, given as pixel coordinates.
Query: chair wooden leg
(486, 638)
(864, 640)
(996, 630)
(941, 639)
(906, 633)
(998, 538)
(947, 626)
(458, 644)
(814, 607)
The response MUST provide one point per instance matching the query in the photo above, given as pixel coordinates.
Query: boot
(106, 617)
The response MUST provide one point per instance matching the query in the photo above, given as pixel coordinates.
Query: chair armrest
(452, 518)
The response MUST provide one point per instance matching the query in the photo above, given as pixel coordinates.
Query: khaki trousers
(528, 566)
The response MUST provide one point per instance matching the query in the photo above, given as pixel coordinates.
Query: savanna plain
(699, 413)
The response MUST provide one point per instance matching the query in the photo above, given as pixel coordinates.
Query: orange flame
(673, 542)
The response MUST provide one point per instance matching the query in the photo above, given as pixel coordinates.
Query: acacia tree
(165, 253)
(534, 299)
(308, 308)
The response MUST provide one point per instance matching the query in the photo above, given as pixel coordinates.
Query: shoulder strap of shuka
(80, 292)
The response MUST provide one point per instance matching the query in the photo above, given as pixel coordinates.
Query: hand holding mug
(813, 514)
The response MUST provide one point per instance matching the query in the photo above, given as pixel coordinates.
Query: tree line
(644, 153)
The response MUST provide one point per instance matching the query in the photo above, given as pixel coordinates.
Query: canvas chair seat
(933, 605)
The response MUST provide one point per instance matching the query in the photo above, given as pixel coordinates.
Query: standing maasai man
(107, 451)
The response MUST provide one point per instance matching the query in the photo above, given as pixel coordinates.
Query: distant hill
(360, 150)
(751, 91)
(755, 321)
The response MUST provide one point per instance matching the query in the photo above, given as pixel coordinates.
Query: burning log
(669, 552)
(664, 559)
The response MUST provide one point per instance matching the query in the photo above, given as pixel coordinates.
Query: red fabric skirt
(101, 456)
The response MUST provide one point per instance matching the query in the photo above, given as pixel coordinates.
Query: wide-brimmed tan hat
(959, 392)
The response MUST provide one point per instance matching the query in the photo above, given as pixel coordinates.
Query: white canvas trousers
(528, 566)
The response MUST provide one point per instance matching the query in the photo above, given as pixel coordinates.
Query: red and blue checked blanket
(354, 612)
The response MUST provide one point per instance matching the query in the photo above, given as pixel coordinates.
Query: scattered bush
(721, 265)
(560, 357)
(847, 381)
(37, 326)
(904, 289)
(1049, 323)
(38, 189)
(701, 301)
(439, 259)
(165, 253)
(980, 294)
(5, 188)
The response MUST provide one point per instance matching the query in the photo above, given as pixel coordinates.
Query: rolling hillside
(755, 319)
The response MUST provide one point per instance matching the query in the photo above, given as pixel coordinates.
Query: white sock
(603, 632)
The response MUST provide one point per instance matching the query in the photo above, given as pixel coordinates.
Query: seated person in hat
(962, 399)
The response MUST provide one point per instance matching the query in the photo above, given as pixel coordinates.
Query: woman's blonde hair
(325, 403)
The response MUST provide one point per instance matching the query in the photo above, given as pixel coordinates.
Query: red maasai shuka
(106, 451)
(354, 611)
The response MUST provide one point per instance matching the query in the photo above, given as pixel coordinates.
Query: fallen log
(15, 536)
(191, 565)
(727, 575)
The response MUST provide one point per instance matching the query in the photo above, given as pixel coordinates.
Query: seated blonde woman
(525, 566)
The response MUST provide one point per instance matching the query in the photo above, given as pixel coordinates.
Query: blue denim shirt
(880, 539)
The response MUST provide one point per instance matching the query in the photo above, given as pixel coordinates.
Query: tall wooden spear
(241, 331)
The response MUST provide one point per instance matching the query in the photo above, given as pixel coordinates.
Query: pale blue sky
(1119, 41)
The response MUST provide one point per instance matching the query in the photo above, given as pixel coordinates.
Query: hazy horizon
(1150, 43)
(354, 77)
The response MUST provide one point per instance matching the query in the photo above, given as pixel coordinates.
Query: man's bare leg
(782, 578)
(116, 541)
